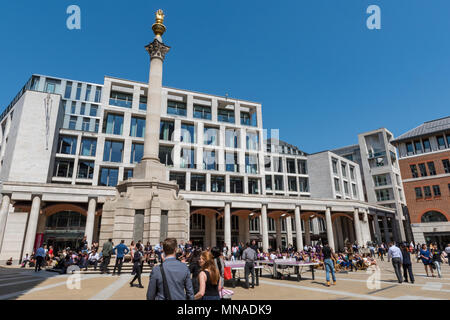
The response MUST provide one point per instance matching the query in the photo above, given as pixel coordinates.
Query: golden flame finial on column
(158, 27)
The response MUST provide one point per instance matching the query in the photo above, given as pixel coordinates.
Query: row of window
(431, 168)
(423, 145)
(343, 168)
(427, 191)
(337, 187)
(300, 168)
(276, 183)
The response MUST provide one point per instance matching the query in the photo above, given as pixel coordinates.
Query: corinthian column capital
(157, 49)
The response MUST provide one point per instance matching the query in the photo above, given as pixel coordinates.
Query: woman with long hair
(219, 262)
(209, 278)
(194, 268)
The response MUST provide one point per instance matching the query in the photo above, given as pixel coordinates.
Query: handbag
(227, 273)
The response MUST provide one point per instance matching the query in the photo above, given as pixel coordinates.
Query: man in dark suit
(407, 266)
(171, 280)
(106, 256)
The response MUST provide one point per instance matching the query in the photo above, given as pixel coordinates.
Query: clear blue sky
(320, 74)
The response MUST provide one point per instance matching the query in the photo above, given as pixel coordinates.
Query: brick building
(425, 168)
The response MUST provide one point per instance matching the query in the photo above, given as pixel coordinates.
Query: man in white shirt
(397, 260)
(93, 259)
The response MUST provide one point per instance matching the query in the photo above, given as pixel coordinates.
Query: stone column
(340, 233)
(307, 232)
(264, 227)
(89, 232)
(329, 223)
(30, 236)
(289, 230)
(227, 225)
(278, 232)
(213, 231)
(377, 228)
(6, 201)
(357, 224)
(387, 236)
(298, 228)
(394, 223)
(157, 50)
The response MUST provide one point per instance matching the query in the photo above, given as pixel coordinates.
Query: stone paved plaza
(21, 284)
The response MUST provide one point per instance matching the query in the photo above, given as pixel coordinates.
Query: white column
(6, 200)
(89, 232)
(329, 223)
(307, 232)
(357, 224)
(278, 232)
(30, 236)
(289, 230)
(387, 235)
(213, 231)
(247, 229)
(377, 228)
(264, 227)
(298, 228)
(227, 225)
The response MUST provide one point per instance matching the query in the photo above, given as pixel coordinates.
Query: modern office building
(424, 157)
(382, 183)
(66, 144)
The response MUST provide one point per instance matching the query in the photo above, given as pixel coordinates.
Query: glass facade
(137, 151)
(120, 99)
(176, 108)
(108, 177)
(113, 151)
(137, 127)
(202, 112)
(88, 147)
(114, 124)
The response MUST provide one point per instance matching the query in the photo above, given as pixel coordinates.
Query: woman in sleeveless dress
(209, 278)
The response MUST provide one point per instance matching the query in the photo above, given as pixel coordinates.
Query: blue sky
(320, 74)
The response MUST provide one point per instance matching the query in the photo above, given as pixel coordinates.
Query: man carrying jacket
(121, 250)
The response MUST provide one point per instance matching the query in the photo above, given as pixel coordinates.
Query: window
(137, 128)
(383, 195)
(142, 103)
(78, 95)
(165, 155)
(120, 99)
(346, 187)
(290, 163)
(251, 164)
(231, 138)
(63, 168)
(85, 170)
(352, 172)
(409, 148)
(337, 185)
(267, 164)
(433, 216)
(269, 183)
(88, 147)
(86, 124)
(441, 142)
(252, 141)
(88, 93)
(418, 146)
(231, 162)
(137, 151)
(68, 90)
(210, 160)
(202, 112)
(180, 178)
(98, 94)
(380, 180)
(278, 183)
(217, 183)
(176, 108)
(236, 185)
(426, 145)
(225, 115)
(187, 157)
(34, 83)
(187, 133)
(334, 163)
(83, 109)
(166, 130)
(292, 183)
(414, 172)
(302, 168)
(354, 192)
(446, 164)
(427, 191)
(211, 136)
(97, 123)
(113, 151)
(93, 111)
(114, 124)
(423, 170)
(127, 174)
(303, 184)
(344, 169)
(73, 107)
(108, 177)
(72, 123)
(278, 164)
(253, 186)
(50, 85)
(197, 222)
(67, 145)
(431, 168)
(419, 194)
(198, 182)
(436, 191)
